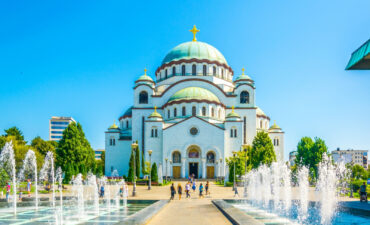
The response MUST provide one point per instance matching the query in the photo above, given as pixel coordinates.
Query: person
(207, 187)
(179, 190)
(201, 190)
(8, 187)
(20, 195)
(194, 186)
(187, 190)
(173, 191)
(29, 187)
(236, 191)
(363, 191)
(102, 191)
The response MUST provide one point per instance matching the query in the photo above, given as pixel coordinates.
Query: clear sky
(81, 58)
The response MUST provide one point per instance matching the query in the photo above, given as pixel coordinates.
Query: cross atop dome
(194, 31)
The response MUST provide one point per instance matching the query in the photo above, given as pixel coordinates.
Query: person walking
(207, 187)
(194, 186)
(173, 192)
(179, 190)
(102, 191)
(29, 187)
(187, 190)
(201, 190)
(236, 193)
(8, 187)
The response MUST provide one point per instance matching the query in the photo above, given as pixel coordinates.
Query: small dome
(233, 114)
(259, 112)
(145, 77)
(194, 93)
(155, 114)
(194, 50)
(275, 127)
(113, 126)
(243, 76)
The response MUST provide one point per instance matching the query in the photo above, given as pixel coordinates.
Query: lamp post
(134, 147)
(166, 169)
(234, 153)
(170, 167)
(150, 170)
(245, 170)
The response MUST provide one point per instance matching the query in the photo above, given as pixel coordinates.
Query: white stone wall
(279, 150)
(118, 156)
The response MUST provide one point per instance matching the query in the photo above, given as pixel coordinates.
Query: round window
(193, 131)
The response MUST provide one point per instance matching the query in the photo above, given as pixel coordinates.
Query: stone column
(204, 168)
(183, 168)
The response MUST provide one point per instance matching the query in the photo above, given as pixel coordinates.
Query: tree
(358, 172)
(4, 177)
(102, 159)
(74, 150)
(16, 133)
(309, 154)
(154, 173)
(145, 172)
(262, 150)
(239, 160)
(137, 161)
(43, 146)
(130, 176)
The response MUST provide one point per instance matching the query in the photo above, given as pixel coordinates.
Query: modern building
(360, 59)
(57, 125)
(98, 153)
(192, 117)
(358, 157)
(292, 157)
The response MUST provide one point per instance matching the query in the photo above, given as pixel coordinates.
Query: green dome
(194, 50)
(196, 93)
(113, 126)
(155, 114)
(145, 78)
(275, 127)
(232, 114)
(243, 77)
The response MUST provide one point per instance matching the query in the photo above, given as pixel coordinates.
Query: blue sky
(80, 59)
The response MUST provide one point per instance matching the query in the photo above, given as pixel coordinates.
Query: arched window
(235, 134)
(176, 157)
(166, 73)
(204, 70)
(175, 112)
(213, 112)
(143, 97)
(204, 111)
(260, 123)
(193, 111)
(244, 97)
(173, 71)
(231, 133)
(266, 125)
(154, 132)
(194, 70)
(168, 114)
(276, 142)
(210, 157)
(214, 71)
(222, 73)
(219, 113)
(112, 141)
(126, 123)
(183, 111)
(183, 70)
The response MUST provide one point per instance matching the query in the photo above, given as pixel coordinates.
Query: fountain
(92, 182)
(29, 164)
(303, 193)
(77, 186)
(7, 161)
(47, 168)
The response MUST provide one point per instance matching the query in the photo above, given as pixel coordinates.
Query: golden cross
(155, 108)
(194, 31)
(232, 108)
(243, 71)
(145, 71)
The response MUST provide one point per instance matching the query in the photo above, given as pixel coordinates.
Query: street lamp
(234, 153)
(134, 147)
(150, 169)
(166, 168)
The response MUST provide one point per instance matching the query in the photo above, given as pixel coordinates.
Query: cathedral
(191, 117)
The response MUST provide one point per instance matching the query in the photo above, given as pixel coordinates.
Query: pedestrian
(187, 190)
(8, 187)
(179, 191)
(201, 190)
(194, 186)
(173, 192)
(207, 187)
(102, 191)
(236, 191)
(20, 195)
(29, 187)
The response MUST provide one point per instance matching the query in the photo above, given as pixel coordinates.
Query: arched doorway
(211, 156)
(193, 155)
(176, 164)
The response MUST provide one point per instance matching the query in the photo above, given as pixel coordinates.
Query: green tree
(43, 146)
(130, 176)
(154, 173)
(103, 160)
(137, 161)
(16, 133)
(75, 150)
(4, 177)
(309, 154)
(241, 157)
(358, 172)
(262, 150)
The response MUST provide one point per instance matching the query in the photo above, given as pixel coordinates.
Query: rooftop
(360, 59)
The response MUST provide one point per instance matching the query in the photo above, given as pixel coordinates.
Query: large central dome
(194, 93)
(194, 50)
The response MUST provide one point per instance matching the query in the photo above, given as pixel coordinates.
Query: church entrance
(193, 169)
(210, 172)
(176, 172)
